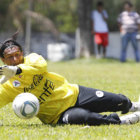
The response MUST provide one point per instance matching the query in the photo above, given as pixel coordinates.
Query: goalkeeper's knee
(126, 104)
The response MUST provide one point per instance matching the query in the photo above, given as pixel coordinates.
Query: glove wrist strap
(19, 71)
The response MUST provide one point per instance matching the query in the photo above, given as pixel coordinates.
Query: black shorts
(101, 101)
(90, 103)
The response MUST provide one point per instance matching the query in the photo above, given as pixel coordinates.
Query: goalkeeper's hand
(7, 72)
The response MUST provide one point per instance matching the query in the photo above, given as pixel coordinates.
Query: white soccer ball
(26, 105)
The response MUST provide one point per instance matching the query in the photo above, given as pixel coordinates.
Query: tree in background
(85, 26)
(4, 15)
(63, 13)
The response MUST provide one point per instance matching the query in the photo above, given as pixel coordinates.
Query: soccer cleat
(130, 118)
(135, 106)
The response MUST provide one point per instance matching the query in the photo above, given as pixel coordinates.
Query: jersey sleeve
(34, 64)
(137, 18)
(105, 14)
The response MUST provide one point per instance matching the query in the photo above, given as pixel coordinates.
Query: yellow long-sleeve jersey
(54, 92)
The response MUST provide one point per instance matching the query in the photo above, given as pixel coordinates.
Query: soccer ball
(25, 105)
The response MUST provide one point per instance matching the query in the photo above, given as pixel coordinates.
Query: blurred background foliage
(63, 13)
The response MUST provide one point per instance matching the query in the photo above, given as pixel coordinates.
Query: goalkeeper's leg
(82, 116)
(101, 101)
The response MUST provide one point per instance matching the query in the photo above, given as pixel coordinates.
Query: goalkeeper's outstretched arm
(8, 72)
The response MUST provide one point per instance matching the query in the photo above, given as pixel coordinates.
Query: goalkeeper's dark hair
(9, 43)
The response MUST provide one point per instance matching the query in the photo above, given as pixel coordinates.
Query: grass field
(106, 74)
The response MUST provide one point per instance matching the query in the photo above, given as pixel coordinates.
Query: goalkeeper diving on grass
(60, 101)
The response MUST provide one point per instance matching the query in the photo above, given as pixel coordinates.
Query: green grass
(105, 74)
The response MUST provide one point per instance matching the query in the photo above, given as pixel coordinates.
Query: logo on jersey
(36, 81)
(16, 83)
(99, 93)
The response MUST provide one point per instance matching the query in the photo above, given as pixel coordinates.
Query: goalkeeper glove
(7, 72)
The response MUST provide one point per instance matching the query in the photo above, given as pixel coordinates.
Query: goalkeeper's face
(13, 56)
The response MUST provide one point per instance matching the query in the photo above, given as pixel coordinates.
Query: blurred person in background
(100, 28)
(129, 24)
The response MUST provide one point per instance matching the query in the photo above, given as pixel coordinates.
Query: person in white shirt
(100, 28)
